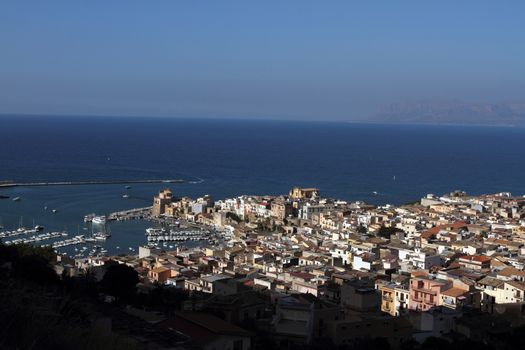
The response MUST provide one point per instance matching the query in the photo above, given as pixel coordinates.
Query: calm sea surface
(232, 157)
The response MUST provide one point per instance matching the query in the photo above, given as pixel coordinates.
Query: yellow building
(394, 299)
(160, 201)
(304, 193)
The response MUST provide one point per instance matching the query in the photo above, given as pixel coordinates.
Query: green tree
(233, 216)
(386, 232)
(120, 281)
(362, 229)
(29, 263)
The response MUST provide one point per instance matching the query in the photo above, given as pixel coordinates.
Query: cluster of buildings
(301, 267)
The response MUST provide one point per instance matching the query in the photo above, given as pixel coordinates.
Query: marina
(68, 242)
(161, 235)
(19, 232)
(37, 238)
(167, 233)
(58, 240)
(101, 230)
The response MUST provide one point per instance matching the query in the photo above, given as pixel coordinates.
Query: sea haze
(233, 157)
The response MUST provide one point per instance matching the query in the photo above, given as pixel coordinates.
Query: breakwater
(89, 182)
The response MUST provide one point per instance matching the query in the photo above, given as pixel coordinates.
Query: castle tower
(160, 201)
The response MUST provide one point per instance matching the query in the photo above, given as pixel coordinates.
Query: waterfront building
(160, 201)
(304, 193)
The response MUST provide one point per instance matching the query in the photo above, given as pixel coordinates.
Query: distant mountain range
(453, 112)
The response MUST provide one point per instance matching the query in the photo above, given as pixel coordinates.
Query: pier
(131, 214)
(90, 182)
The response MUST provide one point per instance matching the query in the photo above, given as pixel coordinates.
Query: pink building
(425, 291)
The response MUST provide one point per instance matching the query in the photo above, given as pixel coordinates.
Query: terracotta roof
(419, 273)
(435, 230)
(517, 285)
(497, 263)
(454, 292)
(477, 258)
(491, 281)
(511, 271)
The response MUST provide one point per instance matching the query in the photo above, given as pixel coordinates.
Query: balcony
(387, 298)
(424, 300)
(418, 299)
(385, 308)
(426, 291)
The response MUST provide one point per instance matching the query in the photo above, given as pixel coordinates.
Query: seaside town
(300, 270)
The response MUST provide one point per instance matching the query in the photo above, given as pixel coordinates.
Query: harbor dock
(131, 214)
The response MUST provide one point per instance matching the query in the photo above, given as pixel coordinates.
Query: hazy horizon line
(259, 119)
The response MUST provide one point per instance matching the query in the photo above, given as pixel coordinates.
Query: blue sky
(333, 60)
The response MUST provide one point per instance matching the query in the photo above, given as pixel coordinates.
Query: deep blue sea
(234, 157)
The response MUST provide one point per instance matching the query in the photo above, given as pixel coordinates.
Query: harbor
(95, 220)
(63, 208)
(94, 237)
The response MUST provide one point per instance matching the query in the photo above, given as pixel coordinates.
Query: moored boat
(99, 220)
